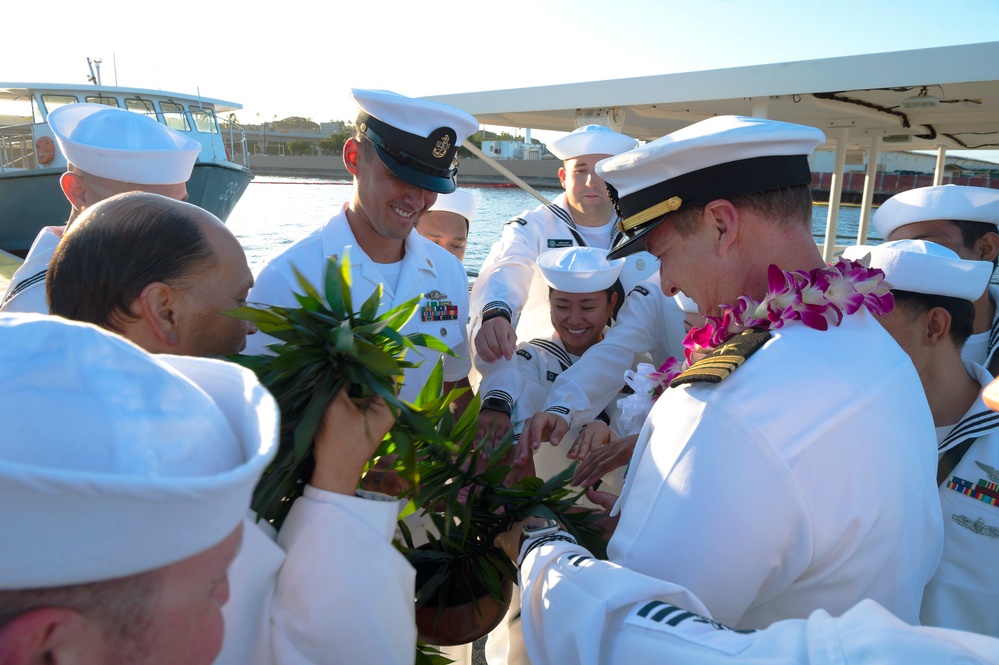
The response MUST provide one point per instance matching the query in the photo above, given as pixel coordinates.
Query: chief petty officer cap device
(416, 139)
(718, 158)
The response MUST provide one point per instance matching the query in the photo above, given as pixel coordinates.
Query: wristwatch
(535, 534)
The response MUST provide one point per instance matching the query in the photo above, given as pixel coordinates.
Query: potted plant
(464, 582)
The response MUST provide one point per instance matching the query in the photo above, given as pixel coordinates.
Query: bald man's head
(155, 270)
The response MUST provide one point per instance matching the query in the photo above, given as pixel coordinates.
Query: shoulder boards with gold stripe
(724, 360)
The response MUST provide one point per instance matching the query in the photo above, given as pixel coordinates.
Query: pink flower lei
(818, 298)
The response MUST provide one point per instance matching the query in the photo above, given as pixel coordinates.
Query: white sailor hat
(717, 158)
(112, 143)
(926, 267)
(686, 304)
(460, 202)
(927, 204)
(416, 139)
(591, 140)
(579, 269)
(115, 462)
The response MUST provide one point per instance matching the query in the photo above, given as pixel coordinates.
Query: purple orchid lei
(819, 298)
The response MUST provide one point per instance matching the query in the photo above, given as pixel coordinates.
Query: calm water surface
(274, 212)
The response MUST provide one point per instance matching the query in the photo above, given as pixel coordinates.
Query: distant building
(515, 150)
(900, 162)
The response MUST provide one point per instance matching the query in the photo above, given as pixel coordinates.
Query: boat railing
(17, 148)
(234, 138)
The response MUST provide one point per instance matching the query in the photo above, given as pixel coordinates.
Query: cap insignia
(440, 150)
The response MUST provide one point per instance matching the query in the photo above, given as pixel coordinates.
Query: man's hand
(346, 438)
(495, 339)
(603, 460)
(595, 434)
(492, 427)
(540, 427)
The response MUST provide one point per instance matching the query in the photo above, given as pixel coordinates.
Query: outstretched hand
(542, 426)
(603, 460)
(347, 436)
(495, 339)
(594, 435)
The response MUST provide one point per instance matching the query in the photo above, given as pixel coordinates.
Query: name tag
(559, 242)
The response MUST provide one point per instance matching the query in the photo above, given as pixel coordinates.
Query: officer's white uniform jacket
(648, 322)
(964, 592)
(510, 278)
(427, 270)
(577, 609)
(330, 589)
(981, 347)
(797, 483)
(26, 291)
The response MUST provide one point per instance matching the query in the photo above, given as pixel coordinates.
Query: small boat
(31, 162)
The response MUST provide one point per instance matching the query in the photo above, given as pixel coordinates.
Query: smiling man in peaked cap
(402, 155)
(108, 151)
(767, 480)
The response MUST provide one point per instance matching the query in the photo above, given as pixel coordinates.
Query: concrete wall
(537, 173)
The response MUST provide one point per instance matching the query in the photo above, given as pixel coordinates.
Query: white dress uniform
(577, 609)
(648, 322)
(26, 291)
(964, 592)
(794, 484)
(330, 589)
(427, 271)
(510, 279)
(981, 347)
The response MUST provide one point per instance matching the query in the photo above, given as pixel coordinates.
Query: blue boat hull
(32, 199)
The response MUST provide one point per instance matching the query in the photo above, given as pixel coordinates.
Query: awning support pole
(938, 172)
(502, 170)
(835, 194)
(870, 183)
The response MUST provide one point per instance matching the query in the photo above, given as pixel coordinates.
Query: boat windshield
(101, 99)
(204, 121)
(174, 117)
(52, 102)
(140, 106)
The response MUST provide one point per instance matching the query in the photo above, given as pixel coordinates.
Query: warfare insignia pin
(992, 472)
(436, 295)
(976, 526)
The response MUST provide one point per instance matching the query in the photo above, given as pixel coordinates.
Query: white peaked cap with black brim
(925, 267)
(717, 158)
(579, 269)
(115, 462)
(591, 140)
(120, 145)
(416, 139)
(943, 202)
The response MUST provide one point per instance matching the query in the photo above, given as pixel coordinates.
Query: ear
(936, 326)
(76, 190)
(351, 156)
(723, 219)
(158, 311)
(988, 247)
(53, 635)
(561, 175)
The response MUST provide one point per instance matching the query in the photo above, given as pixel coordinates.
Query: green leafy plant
(326, 346)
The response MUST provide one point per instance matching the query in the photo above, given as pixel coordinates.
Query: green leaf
(334, 288)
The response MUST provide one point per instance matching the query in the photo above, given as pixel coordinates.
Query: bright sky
(301, 58)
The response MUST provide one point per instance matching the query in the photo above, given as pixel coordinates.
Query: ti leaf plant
(326, 345)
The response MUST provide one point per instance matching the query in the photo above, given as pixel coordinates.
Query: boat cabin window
(137, 105)
(52, 102)
(204, 120)
(99, 99)
(173, 115)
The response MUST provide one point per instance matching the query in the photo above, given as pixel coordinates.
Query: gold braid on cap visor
(660, 209)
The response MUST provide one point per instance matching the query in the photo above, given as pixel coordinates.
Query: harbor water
(275, 212)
